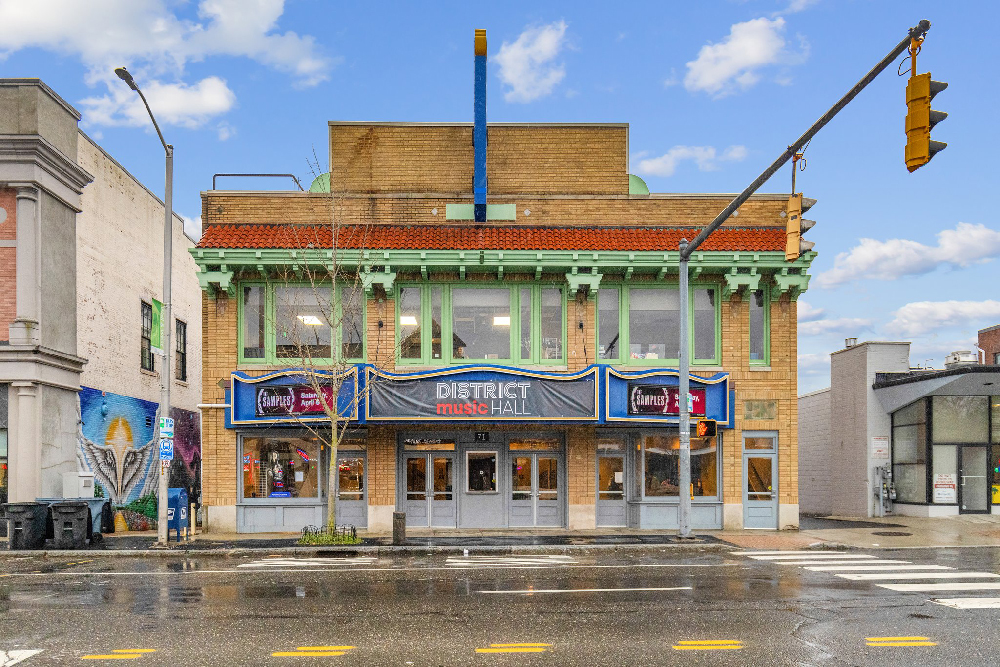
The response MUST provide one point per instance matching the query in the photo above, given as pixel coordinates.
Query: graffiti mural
(116, 443)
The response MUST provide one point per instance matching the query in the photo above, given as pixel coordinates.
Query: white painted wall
(120, 262)
(814, 453)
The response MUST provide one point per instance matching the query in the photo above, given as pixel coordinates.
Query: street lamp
(165, 320)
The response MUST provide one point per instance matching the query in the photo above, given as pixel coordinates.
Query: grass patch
(312, 536)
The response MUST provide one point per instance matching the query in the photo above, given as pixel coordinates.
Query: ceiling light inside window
(408, 320)
(501, 320)
(310, 320)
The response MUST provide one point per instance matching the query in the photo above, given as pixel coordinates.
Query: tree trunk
(331, 487)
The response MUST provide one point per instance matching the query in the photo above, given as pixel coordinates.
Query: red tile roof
(469, 237)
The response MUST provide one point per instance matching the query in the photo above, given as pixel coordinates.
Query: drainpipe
(479, 130)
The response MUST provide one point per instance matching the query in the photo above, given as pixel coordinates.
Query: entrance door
(430, 496)
(973, 487)
(760, 481)
(610, 490)
(535, 490)
(352, 508)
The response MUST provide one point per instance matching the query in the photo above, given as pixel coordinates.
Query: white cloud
(192, 227)
(921, 317)
(812, 362)
(850, 325)
(173, 104)
(705, 157)
(796, 6)
(526, 65)
(807, 312)
(896, 258)
(735, 63)
(156, 43)
(225, 131)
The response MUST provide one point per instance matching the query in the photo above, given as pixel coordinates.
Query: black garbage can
(71, 527)
(26, 525)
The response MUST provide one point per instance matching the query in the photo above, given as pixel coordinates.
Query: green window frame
(622, 354)
(546, 346)
(764, 295)
(269, 355)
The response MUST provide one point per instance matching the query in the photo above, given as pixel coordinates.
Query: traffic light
(920, 118)
(796, 226)
(706, 428)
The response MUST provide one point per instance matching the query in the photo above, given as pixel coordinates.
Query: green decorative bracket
(735, 281)
(222, 278)
(384, 278)
(577, 280)
(793, 284)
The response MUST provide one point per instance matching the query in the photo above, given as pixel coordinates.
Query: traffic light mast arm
(915, 34)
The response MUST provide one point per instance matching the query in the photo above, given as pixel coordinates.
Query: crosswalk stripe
(307, 562)
(873, 561)
(868, 576)
(515, 561)
(782, 553)
(950, 586)
(969, 603)
(881, 566)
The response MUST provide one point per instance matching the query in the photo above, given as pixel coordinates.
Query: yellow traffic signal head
(795, 227)
(920, 119)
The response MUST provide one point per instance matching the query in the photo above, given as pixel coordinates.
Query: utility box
(177, 511)
(78, 485)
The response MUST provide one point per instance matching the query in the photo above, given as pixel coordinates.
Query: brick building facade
(989, 343)
(575, 249)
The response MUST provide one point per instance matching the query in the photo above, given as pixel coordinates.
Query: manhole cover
(891, 533)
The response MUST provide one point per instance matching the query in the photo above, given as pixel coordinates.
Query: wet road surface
(578, 607)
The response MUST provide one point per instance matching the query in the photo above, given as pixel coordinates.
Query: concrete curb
(348, 551)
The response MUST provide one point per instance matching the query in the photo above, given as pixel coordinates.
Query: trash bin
(177, 511)
(26, 525)
(399, 527)
(71, 527)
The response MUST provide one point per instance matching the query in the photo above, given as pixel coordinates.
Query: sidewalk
(893, 532)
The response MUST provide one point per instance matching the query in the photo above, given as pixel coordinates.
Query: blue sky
(713, 92)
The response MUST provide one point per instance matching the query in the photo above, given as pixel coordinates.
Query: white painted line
(848, 568)
(782, 553)
(813, 557)
(969, 603)
(873, 561)
(951, 586)
(8, 658)
(533, 591)
(871, 576)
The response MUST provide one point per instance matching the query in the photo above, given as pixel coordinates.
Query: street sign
(166, 449)
(166, 427)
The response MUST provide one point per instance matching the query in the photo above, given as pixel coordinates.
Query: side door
(760, 480)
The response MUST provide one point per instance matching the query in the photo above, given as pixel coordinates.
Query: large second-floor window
(465, 323)
(640, 325)
(285, 322)
(145, 336)
(180, 356)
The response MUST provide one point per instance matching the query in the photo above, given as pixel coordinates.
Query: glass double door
(534, 499)
(430, 494)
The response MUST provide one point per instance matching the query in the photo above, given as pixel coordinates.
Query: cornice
(31, 160)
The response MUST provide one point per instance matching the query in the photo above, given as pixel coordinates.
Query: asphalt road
(659, 606)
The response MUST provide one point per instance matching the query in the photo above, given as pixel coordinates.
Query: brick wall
(218, 444)
(989, 340)
(565, 159)
(581, 462)
(8, 262)
(814, 453)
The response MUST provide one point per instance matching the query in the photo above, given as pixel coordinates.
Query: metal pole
(914, 33)
(165, 324)
(684, 420)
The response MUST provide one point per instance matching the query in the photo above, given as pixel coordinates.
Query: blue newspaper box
(177, 511)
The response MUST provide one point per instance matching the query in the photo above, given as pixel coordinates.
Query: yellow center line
(511, 645)
(522, 649)
(324, 648)
(112, 656)
(134, 650)
(902, 644)
(896, 639)
(710, 641)
(716, 647)
(306, 654)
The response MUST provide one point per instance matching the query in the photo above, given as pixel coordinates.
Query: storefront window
(552, 323)
(960, 419)
(409, 323)
(436, 320)
(661, 474)
(302, 322)
(608, 324)
(280, 468)
(653, 323)
(909, 453)
(352, 323)
(944, 460)
(705, 346)
(536, 444)
(481, 323)
(253, 322)
(995, 418)
(758, 327)
(525, 298)
(482, 470)
(428, 445)
(350, 478)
